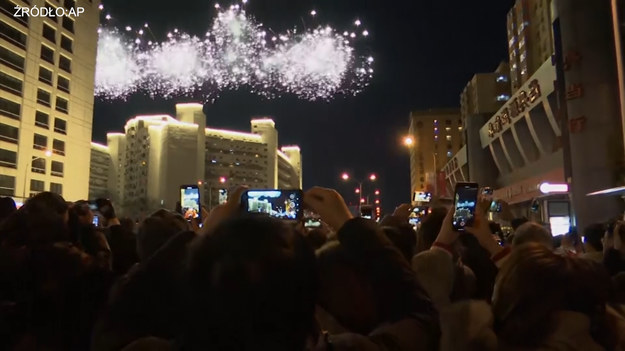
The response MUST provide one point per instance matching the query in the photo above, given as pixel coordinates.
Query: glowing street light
(408, 141)
(357, 191)
(345, 176)
(377, 201)
(373, 177)
(362, 200)
(377, 192)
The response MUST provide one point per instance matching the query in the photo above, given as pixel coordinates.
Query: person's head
(593, 235)
(7, 207)
(83, 212)
(430, 226)
(316, 238)
(43, 220)
(156, 230)
(404, 239)
(535, 283)
(517, 222)
(252, 286)
(532, 232)
(366, 281)
(128, 224)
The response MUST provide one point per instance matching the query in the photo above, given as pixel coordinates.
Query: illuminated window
(502, 78)
(448, 137)
(503, 97)
(447, 129)
(449, 154)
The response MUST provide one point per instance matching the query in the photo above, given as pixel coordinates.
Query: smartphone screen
(465, 201)
(312, 223)
(495, 206)
(190, 202)
(96, 221)
(277, 203)
(223, 196)
(366, 212)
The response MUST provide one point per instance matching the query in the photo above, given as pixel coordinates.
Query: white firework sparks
(117, 71)
(314, 67)
(176, 67)
(237, 52)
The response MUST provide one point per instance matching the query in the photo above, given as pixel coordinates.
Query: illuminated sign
(515, 108)
(547, 188)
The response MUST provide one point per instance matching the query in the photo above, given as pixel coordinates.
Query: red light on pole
(373, 177)
(377, 202)
(345, 176)
(357, 191)
(362, 201)
(377, 192)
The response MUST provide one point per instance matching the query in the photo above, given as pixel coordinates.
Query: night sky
(425, 52)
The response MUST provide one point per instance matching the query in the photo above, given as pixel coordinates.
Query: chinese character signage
(515, 108)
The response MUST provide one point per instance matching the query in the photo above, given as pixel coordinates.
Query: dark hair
(404, 239)
(370, 255)
(252, 285)
(429, 229)
(517, 222)
(534, 283)
(7, 207)
(40, 222)
(316, 238)
(156, 230)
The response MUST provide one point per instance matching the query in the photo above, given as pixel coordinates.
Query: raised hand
(223, 212)
(328, 204)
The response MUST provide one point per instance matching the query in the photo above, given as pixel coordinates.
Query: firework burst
(237, 52)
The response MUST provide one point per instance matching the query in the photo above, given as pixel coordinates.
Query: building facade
(157, 154)
(530, 38)
(561, 126)
(47, 69)
(437, 136)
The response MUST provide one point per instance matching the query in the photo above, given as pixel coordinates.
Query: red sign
(515, 108)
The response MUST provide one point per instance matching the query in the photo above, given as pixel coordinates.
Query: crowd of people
(250, 282)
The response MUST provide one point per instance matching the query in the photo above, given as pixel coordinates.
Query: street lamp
(222, 180)
(47, 153)
(346, 177)
(408, 141)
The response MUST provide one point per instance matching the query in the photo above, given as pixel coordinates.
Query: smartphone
(465, 201)
(487, 191)
(312, 223)
(278, 203)
(96, 220)
(223, 196)
(414, 221)
(190, 202)
(366, 212)
(495, 206)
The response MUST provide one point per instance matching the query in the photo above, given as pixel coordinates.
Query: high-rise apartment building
(146, 164)
(485, 92)
(530, 38)
(47, 69)
(437, 136)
